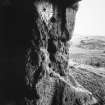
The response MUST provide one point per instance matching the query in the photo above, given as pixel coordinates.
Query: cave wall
(48, 81)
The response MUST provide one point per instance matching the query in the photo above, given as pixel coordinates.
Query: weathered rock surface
(48, 77)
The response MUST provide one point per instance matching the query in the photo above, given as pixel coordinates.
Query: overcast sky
(90, 18)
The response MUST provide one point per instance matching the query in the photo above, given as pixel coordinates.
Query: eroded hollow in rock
(51, 49)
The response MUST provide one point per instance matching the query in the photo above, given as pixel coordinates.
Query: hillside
(89, 51)
(87, 63)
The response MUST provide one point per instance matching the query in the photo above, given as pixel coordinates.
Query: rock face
(48, 80)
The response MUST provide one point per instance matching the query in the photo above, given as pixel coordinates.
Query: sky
(90, 18)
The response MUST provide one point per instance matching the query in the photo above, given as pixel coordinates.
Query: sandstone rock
(47, 68)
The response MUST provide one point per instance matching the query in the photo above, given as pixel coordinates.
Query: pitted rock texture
(48, 80)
